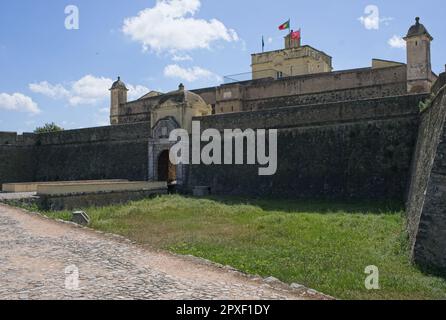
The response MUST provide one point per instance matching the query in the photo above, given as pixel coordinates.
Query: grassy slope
(324, 246)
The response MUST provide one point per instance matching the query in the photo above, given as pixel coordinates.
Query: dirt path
(35, 253)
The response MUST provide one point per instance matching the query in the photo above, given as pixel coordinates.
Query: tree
(48, 128)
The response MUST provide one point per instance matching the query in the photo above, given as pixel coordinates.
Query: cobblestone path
(35, 252)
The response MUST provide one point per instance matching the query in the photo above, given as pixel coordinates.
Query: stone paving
(35, 253)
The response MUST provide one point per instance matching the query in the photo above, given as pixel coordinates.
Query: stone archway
(159, 165)
(167, 171)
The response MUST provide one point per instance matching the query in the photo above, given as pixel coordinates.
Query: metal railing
(247, 76)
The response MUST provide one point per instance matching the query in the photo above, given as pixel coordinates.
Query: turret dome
(118, 84)
(418, 29)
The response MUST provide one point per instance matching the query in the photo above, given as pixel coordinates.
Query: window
(164, 131)
(279, 74)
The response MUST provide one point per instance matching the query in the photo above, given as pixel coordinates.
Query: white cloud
(270, 40)
(170, 26)
(189, 74)
(397, 42)
(372, 19)
(136, 92)
(89, 90)
(45, 88)
(181, 57)
(18, 102)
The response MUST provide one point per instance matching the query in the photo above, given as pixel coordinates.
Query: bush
(48, 128)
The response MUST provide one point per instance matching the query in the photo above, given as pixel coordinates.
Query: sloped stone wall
(426, 206)
(361, 149)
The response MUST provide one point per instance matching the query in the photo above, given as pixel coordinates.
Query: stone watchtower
(292, 43)
(118, 97)
(294, 60)
(419, 68)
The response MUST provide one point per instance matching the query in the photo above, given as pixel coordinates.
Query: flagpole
(300, 39)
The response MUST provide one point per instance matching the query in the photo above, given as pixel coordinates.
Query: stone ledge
(75, 201)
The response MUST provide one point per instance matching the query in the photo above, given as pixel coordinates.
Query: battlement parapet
(13, 138)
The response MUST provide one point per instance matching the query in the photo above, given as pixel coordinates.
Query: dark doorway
(166, 170)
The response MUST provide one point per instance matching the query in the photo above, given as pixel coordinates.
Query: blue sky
(51, 74)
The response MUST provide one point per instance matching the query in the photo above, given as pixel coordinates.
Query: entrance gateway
(174, 110)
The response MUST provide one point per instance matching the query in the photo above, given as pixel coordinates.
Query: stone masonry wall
(375, 91)
(346, 85)
(426, 206)
(316, 83)
(312, 115)
(16, 163)
(361, 149)
(114, 152)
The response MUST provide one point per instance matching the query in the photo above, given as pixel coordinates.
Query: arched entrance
(166, 170)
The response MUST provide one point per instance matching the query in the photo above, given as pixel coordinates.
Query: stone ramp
(36, 253)
(33, 186)
(17, 196)
(72, 195)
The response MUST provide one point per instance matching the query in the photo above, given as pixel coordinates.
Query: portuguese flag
(295, 35)
(285, 25)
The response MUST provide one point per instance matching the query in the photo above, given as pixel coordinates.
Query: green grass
(325, 246)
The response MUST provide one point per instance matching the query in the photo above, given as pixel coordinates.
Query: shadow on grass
(321, 206)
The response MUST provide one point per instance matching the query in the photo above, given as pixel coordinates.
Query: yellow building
(294, 60)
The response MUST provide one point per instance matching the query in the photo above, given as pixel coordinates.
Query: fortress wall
(17, 163)
(360, 149)
(16, 157)
(375, 91)
(114, 152)
(133, 117)
(313, 115)
(134, 131)
(426, 206)
(208, 94)
(8, 138)
(315, 83)
(136, 111)
(262, 94)
(321, 88)
(93, 161)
